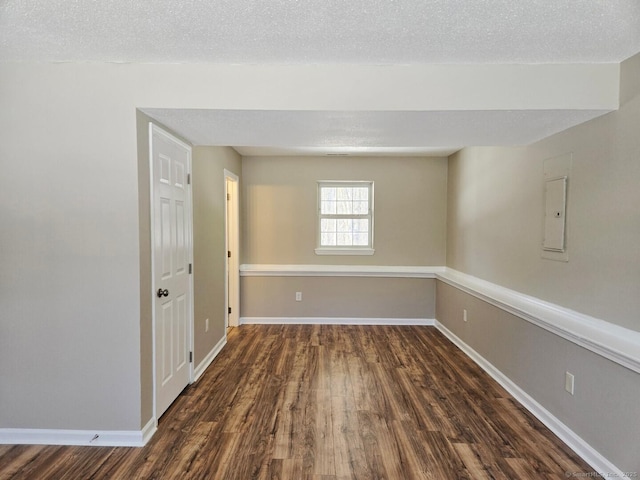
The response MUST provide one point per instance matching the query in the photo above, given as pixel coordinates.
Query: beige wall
(494, 232)
(350, 297)
(604, 411)
(279, 215)
(280, 227)
(495, 215)
(209, 253)
(70, 340)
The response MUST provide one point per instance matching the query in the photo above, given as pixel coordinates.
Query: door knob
(163, 293)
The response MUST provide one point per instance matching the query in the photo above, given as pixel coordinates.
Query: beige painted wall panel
(209, 233)
(70, 340)
(357, 297)
(604, 410)
(496, 212)
(280, 208)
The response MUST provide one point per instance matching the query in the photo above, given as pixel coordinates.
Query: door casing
(232, 277)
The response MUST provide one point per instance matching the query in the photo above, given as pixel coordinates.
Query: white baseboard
(89, 438)
(197, 373)
(149, 429)
(334, 321)
(568, 436)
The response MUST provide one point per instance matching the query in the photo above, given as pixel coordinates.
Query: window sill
(345, 251)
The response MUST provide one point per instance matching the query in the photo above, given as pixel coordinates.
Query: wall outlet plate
(569, 382)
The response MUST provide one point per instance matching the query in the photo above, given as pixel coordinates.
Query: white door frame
(189, 210)
(232, 243)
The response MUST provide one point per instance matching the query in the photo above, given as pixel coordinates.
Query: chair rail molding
(614, 342)
(609, 340)
(401, 271)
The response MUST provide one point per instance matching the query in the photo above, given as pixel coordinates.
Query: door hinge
(228, 253)
(188, 179)
(229, 310)
(228, 197)
(190, 269)
(190, 357)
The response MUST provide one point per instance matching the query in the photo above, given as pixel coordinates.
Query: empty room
(319, 239)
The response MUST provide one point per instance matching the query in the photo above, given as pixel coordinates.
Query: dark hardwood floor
(327, 402)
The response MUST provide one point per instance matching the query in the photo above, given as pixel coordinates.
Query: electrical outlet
(464, 314)
(206, 325)
(298, 296)
(569, 382)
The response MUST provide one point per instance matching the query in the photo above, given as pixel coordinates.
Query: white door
(172, 247)
(233, 253)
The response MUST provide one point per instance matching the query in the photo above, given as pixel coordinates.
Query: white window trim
(343, 249)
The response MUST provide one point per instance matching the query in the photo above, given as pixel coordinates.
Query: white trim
(334, 321)
(344, 251)
(611, 341)
(153, 269)
(149, 430)
(258, 270)
(89, 438)
(568, 436)
(232, 267)
(204, 364)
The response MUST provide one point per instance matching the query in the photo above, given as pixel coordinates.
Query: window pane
(328, 225)
(361, 208)
(345, 225)
(328, 193)
(345, 239)
(328, 207)
(344, 193)
(361, 225)
(360, 239)
(328, 239)
(344, 207)
(361, 193)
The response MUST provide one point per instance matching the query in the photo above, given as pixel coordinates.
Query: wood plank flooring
(326, 402)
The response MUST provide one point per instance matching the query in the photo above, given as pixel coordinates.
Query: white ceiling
(362, 32)
(320, 31)
(366, 133)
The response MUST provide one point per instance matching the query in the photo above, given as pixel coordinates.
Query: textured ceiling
(363, 32)
(320, 31)
(426, 133)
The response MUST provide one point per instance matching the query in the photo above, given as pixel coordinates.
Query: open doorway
(233, 250)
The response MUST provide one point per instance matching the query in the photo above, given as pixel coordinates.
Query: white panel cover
(554, 220)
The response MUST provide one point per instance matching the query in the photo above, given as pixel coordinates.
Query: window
(345, 218)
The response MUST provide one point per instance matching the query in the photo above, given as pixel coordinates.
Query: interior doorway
(232, 277)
